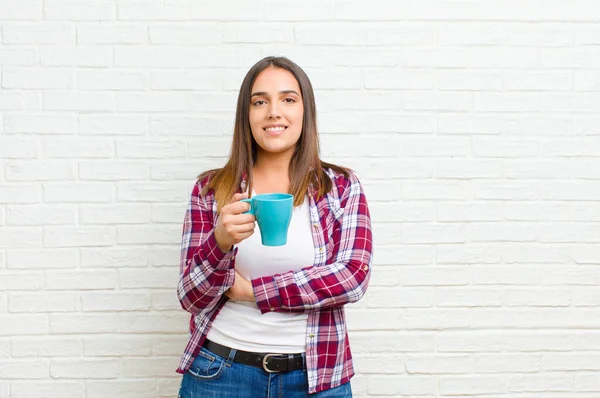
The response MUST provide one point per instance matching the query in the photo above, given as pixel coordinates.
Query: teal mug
(273, 213)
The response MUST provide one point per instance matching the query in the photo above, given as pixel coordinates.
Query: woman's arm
(205, 271)
(342, 281)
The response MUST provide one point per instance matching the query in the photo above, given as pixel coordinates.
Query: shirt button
(320, 250)
(316, 226)
(271, 309)
(366, 267)
(311, 335)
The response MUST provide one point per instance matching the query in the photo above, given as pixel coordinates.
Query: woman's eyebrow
(281, 92)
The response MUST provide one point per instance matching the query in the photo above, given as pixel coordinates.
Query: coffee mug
(273, 213)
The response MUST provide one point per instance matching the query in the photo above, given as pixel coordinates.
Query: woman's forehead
(273, 80)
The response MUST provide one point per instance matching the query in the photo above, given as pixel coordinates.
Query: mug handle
(249, 201)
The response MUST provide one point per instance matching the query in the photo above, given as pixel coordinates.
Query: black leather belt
(268, 362)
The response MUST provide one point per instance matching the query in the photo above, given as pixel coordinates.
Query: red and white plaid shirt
(340, 274)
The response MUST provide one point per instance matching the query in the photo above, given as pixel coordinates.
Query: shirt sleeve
(343, 280)
(205, 272)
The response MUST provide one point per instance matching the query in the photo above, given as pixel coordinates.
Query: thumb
(239, 196)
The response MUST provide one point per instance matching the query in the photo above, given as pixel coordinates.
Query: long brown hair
(305, 167)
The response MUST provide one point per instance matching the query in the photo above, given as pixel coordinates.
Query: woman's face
(276, 111)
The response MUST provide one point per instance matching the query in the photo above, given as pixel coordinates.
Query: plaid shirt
(340, 274)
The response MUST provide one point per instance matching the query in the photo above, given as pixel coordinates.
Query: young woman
(269, 321)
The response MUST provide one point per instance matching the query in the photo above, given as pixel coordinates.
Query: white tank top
(240, 324)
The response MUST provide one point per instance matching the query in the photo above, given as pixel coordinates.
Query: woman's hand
(233, 226)
(241, 289)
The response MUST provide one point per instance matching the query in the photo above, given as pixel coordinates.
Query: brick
(186, 80)
(144, 10)
(184, 126)
(212, 102)
(153, 192)
(112, 170)
(466, 385)
(35, 170)
(107, 124)
(435, 364)
(80, 56)
(129, 388)
(331, 78)
(218, 147)
(37, 33)
(35, 302)
(401, 384)
(115, 257)
(148, 278)
(19, 194)
(436, 276)
(165, 256)
(538, 81)
(78, 236)
(40, 124)
(333, 35)
(20, 281)
(150, 367)
(149, 56)
(414, 34)
(19, 101)
(84, 280)
(79, 101)
(452, 80)
(166, 301)
(168, 213)
(115, 214)
(187, 171)
(132, 345)
(155, 101)
(113, 301)
(539, 341)
(46, 347)
(543, 383)
(377, 11)
(48, 389)
(72, 10)
(469, 124)
(23, 324)
(21, 9)
(185, 34)
(164, 322)
(18, 56)
(113, 80)
(23, 369)
(407, 297)
(111, 33)
(136, 149)
(468, 297)
(540, 36)
(41, 215)
(257, 32)
(440, 101)
(88, 369)
(18, 148)
(492, 232)
(43, 259)
(20, 238)
(469, 341)
(83, 323)
(87, 192)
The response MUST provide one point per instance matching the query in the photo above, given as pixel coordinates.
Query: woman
(269, 321)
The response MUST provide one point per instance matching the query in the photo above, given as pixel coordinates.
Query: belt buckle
(264, 363)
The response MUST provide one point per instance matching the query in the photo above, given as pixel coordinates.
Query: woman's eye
(289, 100)
(259, 102)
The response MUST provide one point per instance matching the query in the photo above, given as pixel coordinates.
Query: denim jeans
(212, 376)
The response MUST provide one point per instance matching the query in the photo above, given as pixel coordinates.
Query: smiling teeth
(275, 128)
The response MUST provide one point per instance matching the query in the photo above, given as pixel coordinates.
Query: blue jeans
(212, 376)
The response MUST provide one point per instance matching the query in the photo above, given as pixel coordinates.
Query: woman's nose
(273, 111)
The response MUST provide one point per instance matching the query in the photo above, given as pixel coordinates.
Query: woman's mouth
(275, 131)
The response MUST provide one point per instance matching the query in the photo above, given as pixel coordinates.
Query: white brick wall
(473, 126)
